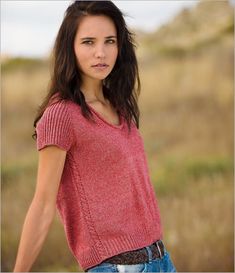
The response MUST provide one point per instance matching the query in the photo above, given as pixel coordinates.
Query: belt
(138, 256)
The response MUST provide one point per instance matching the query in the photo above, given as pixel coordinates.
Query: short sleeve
(55, 127)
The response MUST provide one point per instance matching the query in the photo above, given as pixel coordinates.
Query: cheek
(114, 53)
(81, 57)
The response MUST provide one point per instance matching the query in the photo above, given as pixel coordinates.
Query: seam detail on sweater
(86, 212)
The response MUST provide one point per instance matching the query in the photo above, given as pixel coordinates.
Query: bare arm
(42, 209)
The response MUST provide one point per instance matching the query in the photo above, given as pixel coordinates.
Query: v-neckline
(119, 126)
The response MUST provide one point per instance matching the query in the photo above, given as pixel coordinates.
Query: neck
(93, 90)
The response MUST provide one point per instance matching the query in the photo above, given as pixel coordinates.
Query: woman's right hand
(43, 207)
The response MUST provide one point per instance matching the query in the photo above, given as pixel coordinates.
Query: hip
(158, 260)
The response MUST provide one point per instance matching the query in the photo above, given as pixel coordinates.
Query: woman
(92, 163)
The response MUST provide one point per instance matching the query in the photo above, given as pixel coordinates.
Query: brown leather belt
(138, 256)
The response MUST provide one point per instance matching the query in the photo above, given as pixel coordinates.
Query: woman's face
(96, 47)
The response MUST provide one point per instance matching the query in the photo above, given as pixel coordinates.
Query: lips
(100, 65)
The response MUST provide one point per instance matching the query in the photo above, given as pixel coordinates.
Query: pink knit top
(105, 200)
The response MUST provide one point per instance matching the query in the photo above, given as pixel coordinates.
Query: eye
(111, 41)
(88, 42)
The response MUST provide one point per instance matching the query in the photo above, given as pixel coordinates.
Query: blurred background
(186, 56)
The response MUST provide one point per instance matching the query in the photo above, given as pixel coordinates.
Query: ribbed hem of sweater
(115, 246)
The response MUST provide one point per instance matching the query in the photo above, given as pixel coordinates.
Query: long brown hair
(121, 87)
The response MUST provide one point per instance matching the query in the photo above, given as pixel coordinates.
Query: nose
(99, 52)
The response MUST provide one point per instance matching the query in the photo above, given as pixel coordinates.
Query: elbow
(46, 209)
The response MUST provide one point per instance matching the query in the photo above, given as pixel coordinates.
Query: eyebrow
(93, 38)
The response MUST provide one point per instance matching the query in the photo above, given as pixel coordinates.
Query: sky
(29, 28)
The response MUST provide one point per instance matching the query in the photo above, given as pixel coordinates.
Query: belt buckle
(159, 249)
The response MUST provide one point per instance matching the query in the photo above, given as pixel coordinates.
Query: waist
(138, 256)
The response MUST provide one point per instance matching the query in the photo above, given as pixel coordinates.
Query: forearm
(35, 229)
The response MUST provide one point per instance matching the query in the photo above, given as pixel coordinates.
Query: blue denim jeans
(163, 264)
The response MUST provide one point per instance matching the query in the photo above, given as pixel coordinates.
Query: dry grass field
(186, 105)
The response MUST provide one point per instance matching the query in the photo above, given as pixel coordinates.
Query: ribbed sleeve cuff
(55, 127)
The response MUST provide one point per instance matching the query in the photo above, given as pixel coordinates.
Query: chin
(100, 77)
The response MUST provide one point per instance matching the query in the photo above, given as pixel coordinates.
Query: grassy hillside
(186, 103)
